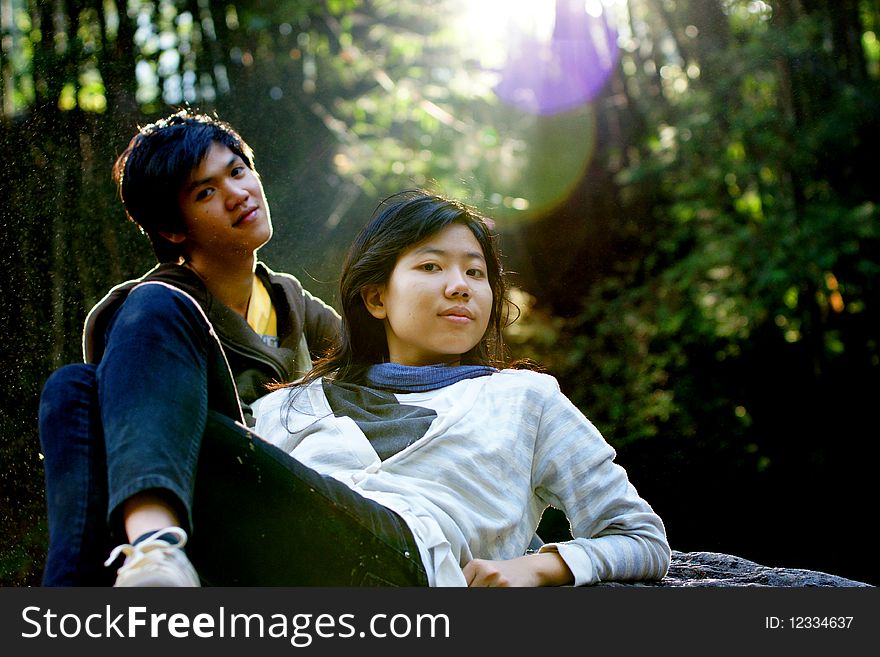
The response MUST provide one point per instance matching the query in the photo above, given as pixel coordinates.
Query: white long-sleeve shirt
(499, 451)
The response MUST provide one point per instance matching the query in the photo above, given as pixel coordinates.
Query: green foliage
(763, 240)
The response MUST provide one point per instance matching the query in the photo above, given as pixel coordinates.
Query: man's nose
(236, 194)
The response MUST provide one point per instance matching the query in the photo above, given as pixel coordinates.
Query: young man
(203, 332)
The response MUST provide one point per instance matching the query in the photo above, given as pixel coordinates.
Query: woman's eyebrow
(431, 250)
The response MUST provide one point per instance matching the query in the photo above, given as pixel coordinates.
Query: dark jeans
(75, 466)
(136, 422)
(262, 518)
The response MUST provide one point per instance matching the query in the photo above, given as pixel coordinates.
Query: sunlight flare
(550, 56)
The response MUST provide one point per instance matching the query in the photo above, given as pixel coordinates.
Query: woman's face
(437, 302)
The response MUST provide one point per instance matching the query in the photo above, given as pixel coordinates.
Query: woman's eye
(431, 266)
(204, 193)
(237, 171)
(476, 273)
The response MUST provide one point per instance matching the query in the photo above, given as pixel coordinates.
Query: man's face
(224, 208)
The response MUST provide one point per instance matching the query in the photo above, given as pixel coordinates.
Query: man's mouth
(245, 216)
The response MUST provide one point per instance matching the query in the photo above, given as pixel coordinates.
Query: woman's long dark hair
(400, 222)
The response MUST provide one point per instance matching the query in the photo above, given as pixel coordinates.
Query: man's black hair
(158, 161)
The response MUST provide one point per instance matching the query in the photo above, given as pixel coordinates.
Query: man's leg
(75, 466)
(264, 519)
(162, 345)
(153, 385)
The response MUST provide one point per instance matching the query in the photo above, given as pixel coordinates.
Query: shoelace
(137, 553)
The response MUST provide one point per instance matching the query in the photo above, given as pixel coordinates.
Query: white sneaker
(155, 560)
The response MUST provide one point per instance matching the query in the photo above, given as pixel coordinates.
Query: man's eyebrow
(204, 181)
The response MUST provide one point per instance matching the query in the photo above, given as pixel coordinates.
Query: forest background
(686, 192)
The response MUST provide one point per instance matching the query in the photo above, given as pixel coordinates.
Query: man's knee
(68, 386)
(157, 319)
(66, 411)
(155, 304)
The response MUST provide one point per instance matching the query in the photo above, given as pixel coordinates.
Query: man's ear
(175, 238)
(374, 300)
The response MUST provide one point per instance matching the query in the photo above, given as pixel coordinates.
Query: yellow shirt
(261, 314)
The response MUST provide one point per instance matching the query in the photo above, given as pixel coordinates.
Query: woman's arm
(617, 535)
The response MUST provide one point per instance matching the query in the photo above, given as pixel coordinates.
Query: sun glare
(549, 55)
(547, 61)
(492, 27)
(489, 25)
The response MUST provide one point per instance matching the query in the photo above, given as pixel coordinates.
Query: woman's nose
(458, 285)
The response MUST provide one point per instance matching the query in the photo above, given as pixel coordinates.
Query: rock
(717, 569)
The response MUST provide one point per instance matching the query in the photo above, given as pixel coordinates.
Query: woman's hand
(541, 569)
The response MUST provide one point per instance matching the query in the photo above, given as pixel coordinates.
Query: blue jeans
(75, 465)
(136, 422)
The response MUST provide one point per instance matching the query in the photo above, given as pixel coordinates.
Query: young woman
(411, 412)
(407, 456)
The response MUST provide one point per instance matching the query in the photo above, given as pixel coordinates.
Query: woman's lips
(458, 314)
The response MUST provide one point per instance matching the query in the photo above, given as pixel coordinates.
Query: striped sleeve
(617, 535)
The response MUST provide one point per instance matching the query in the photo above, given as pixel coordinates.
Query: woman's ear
(373, 296)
